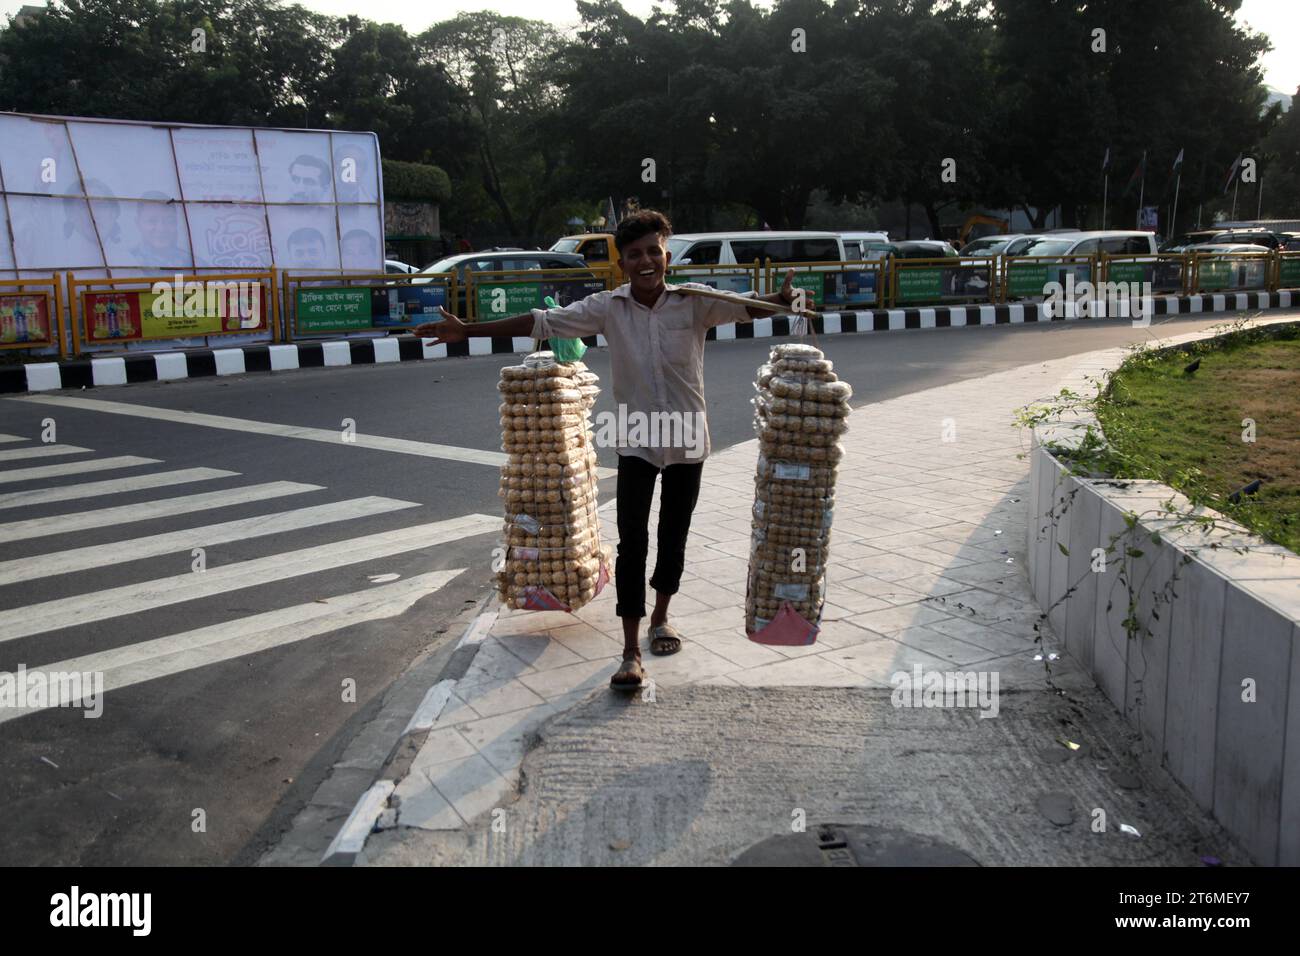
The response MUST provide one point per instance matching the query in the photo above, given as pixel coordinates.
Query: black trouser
(677, 497)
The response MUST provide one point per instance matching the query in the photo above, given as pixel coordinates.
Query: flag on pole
(1105, 160)
(1177, 163)
(611, 217)
(1232, 173)
(1139, 173)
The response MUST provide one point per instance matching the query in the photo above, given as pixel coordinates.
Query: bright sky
(1279, 19)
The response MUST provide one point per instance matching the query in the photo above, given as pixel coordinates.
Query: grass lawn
(1186, 429)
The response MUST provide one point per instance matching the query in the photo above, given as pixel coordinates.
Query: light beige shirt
(656, 359)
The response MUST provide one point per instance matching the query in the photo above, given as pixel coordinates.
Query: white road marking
(147, 510)
(403, 446)
(143, 596)
(97, 556)
(74, 468)
(112, 486)
(177, 653)
(42, 451)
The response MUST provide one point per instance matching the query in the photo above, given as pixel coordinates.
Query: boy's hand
(799, 300)
(447, 329)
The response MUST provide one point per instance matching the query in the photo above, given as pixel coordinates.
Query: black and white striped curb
(89, 372)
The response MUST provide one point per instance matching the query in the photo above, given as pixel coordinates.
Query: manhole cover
(853, 845)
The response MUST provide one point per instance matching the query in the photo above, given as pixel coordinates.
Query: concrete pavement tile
(421, 805)
(538, 651)
(457, 711)
(711, 595)
(990, 637)
(943, 645)
(855, 602)
(492, 664)
(439, 747)
(503, 698)
(893, 567)
(738, 649)
(585, 676)
(891, 592)
(587, 641)
(814, 671)
(473, 786)
(897, 618)
(692, 663)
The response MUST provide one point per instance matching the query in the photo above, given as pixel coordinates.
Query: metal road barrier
(914, 282)
(1220, 272)
(1169, 273)
(835, 286)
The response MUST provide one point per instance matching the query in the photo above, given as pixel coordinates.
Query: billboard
(118, 199)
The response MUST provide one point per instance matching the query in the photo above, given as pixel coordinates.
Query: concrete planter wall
(1222, 618)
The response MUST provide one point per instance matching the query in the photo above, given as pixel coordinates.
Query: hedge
(415, 182)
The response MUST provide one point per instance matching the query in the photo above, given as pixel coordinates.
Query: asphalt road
(320, 571)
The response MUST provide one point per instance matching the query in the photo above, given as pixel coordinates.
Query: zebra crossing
(175, 495)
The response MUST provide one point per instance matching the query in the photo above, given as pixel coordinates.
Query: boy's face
(645, 262)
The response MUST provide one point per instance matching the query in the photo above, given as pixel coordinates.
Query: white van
(854, 242)
(1114, 242)
(742, 248)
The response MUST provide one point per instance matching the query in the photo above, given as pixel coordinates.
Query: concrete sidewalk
(535, 761)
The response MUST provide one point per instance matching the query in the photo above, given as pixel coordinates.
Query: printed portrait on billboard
(355, 171)
(295, 166)
(361, 248)
(305, 238)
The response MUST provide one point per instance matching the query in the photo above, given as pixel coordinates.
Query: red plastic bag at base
(787, 628)
(537, 597)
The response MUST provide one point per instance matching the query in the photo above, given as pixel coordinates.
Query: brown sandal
(665, 640)
(630, 674)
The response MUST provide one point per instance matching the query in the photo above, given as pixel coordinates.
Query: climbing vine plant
(1087, 455)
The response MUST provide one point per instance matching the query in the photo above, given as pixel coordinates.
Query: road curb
(371, 806)
(95, 372)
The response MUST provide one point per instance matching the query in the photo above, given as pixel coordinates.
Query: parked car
(502, 261)
(1115, 242)
(991, 245)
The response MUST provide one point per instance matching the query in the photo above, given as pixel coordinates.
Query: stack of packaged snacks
(799, 413)
(554, 559)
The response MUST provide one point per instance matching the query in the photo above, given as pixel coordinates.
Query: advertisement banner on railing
(850, 288)
(942, 283)
(402, 305)
(723, 282)
(357, 308)
(497, 300)
(219, 307)
(1289, 274)
(1224, 274)
(24, 318)
(1028, 279)
(1164, 276)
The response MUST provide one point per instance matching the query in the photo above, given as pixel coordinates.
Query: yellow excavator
(960, 235)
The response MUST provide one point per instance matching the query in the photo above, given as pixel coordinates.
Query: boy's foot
(630, 673)
(664, 639)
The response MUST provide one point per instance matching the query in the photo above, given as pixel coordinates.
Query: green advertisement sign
(815, 283)
(1128, 272)
(333, 310)
(919, 285)
(1290, 274)
(499, 301)
(1026, 279)
(1216, 274)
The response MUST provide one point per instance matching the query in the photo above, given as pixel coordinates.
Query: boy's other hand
(793, 297)
(447, 329)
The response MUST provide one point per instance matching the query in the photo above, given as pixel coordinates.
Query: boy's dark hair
(641, 223)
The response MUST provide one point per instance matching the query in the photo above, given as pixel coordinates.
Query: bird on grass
(1189, 369)
(1249, 489)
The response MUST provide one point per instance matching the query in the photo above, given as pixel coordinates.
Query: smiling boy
(656, 347)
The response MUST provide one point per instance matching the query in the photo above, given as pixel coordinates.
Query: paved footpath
(534, 760)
